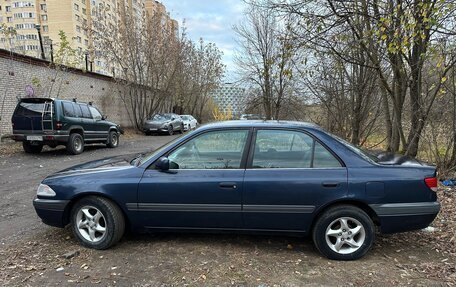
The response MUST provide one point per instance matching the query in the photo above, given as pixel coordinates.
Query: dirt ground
(33, 254)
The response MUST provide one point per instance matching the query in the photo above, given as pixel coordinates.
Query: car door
(203, 187)
(87, 122)
(100, 126)
(289, 175)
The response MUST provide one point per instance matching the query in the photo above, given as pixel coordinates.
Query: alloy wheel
(345, 235)
(91, 224)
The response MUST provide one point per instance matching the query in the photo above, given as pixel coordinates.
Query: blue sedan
(246, 176)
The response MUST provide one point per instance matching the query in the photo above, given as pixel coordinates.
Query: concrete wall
(21, 73)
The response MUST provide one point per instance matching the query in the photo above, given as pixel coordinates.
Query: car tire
(343, 232)
(113, 139)
(75, 144)
(170, 130)
(182, 129)
(32, 148)
(97, 222)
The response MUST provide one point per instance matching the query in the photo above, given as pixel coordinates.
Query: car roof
(260, 124)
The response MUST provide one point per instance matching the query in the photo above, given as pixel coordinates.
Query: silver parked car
(190, 122)
(164, 123)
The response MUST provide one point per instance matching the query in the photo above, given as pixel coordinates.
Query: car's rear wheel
(343, 232)
(30, 147)
(97, 222)
(113, 140)
(170, 130)
(75, 144)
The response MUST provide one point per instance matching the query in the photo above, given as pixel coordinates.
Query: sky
(213, 21)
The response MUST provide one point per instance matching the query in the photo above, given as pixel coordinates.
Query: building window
(78, 39)
(46, 28)
(43, 7)
(76, 7)
(78, 18)
(84, 11)
(44, 17)
(86, 42)
(8, 8)
(78, 29)
(9, 19)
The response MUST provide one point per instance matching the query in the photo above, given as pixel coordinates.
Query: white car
(189, 121)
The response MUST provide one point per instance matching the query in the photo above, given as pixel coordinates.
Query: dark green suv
(43, 121)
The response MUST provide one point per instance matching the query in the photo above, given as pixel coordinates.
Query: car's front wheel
(97, 222)
(170, 130)
(113, 140)
(343, 232)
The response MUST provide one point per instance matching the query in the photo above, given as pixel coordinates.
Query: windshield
(185, 118)
(362, 153)
(161, 118)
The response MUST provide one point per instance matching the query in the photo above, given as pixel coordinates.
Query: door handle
(228, 185)
(330, 184)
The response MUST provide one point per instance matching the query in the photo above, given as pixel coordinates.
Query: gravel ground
(33, 254)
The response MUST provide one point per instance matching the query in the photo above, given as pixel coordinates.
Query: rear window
(29, 109)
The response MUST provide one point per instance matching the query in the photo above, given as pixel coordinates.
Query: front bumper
(51, 211)
(401, 217)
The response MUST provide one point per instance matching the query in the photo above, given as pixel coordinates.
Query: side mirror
(104, 117)
(162, 164)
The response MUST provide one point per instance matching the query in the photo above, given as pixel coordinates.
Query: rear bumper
(46, 137)
(51, 212)
(400, 217)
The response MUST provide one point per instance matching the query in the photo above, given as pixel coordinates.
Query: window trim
(243, 158)
(315, 139)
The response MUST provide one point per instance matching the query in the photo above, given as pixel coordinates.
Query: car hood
(157, 122)
(110, 163)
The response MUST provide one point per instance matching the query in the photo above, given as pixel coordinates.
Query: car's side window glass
(77, 111)
(211, 150)
(323, 158)
(68, 110)
(95, 113)
(85, 111)
(282, 149)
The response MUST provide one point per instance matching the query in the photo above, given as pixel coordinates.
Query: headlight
(44, 190)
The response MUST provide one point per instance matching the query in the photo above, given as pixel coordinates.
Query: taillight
(59, 125)
(431, 182)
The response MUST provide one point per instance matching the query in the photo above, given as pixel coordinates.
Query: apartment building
(77, 18)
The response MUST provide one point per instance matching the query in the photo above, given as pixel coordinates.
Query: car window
(30, 109)
(323, 158)
(77, 111)
(95, 113)
(68, 109)
(211, 150)
(290, 149)
(282, 149)
(85, 111)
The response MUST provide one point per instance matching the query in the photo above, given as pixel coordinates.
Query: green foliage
(65, 54)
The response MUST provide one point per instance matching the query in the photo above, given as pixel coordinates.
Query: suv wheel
(30, 147)
(170, 130)
(113, 139)
(343, 232)
(75, 144)
(97, 222)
